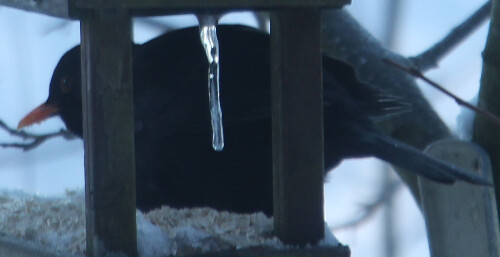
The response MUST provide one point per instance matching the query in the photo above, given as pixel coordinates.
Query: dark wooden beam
(57, 8)
(297, 113)
(148, 7)
(74, 9)
(327, 251)
(108, 129)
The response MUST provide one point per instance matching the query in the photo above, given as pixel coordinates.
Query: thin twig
(392, 22)
(370, 209)
(56, 26)
(36, 139)
(418, 74)
(430, 58)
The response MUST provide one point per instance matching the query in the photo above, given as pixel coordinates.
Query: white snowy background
(31, 45)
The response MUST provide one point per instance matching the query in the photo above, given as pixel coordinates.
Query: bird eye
(66, 84)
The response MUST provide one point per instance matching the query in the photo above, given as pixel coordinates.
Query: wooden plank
(108, 131)
(57, 8)
(148, 7)
(297, 125)
(461, 219)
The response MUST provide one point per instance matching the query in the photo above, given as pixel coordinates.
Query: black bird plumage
(175, 163)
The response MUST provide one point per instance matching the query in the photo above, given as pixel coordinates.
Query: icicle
(208, 36)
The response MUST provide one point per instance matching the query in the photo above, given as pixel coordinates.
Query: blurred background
(365, 204)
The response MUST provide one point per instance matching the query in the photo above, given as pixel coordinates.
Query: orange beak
(39, 114)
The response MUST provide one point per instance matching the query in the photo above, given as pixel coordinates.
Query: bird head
(64, 95)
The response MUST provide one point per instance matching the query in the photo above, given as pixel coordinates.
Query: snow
(54, 222)
(151, 239)
(58, 223)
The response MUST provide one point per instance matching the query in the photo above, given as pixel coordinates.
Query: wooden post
(108, 131)
(297, 120)
(485, 133)
(461, 219)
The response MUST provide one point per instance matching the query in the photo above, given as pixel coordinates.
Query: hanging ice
(208, 36)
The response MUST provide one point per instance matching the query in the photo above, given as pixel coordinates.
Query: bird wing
(376, 103)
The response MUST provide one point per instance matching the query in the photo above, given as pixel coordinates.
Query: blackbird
(175, 162)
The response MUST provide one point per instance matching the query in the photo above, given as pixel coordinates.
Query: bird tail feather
(412, 159)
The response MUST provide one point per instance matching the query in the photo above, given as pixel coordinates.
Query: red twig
(418, 74)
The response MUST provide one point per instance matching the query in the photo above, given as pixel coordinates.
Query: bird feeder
(297, 119)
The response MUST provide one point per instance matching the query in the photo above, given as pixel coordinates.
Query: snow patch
(58, 223)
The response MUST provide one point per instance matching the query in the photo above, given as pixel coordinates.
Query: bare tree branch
(368, 210)
(418, 74)
(36, 139)
(485, 133)
(430, 58)
(54, 27)
(391, 22)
